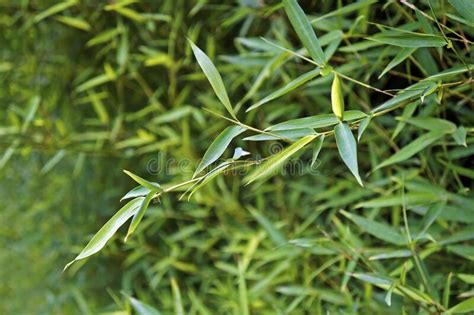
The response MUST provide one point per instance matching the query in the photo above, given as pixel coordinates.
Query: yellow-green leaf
(337, 98)
(275, 162)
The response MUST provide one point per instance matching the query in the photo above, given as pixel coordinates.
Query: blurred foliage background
(89, 88)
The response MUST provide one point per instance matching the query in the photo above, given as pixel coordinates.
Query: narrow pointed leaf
(414, 40)
(292, 134)
(108, 230)
(140, 213)
(270, 166)
(412, 149)
(465, 306)
(410, 92)
(304, 30)
(465, 8)
(302, 79)
(213, 76)
(400, 57)
(432, 124)
(459, 136)
(318, 144)
(142, 308)
(337, 98)
(363, 126)
(147, 184)
(378, 230)
(218, 146)
(138, 191)
(347, 148)
(317, 121)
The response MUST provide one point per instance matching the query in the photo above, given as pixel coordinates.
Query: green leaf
(292, 134)
(467, 278)
(218, 146)
(347, 148)
(317, 121)
(74, 22)
(463, 307)
(379, 230)
(408, 111)
(432, 124)
(275, 235)
(459, 136)
(454, 71)
(337, 98)
(402, 55)
(142, 308)
(213, 76)
(34, 104)
(274, 163)
(138, 191)
(430, 216)
(147, 184)
(318, 144)
(55, 9)
(465, 8)
(53, 162)
(415, 40)
(137, 218)
(302, 79)
(304, 30)
(413, 148)
(363, 126)
(346, 9)
(108, 229)
(407, 94)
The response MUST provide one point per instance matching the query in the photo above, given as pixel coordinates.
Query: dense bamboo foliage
(237, 157)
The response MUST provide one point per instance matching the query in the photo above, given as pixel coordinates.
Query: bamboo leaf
(409, 93)
(137, 218)
(414, 40)
(142, 308)
(218, 146)
(318, 144)
(138, 191)
(465, 8)
(304, 30)
(147, 184)
(363, 126)
(302, 79)
(292, 134)
(108, 230)
(463, 307)
(459, 136)
(337, 98)
(317, 121)
(347, 148)
(376, 229)
(400, 57)
(413, 148)
(213, 76)
(432, 124)
(274, 163)
(55, 9)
